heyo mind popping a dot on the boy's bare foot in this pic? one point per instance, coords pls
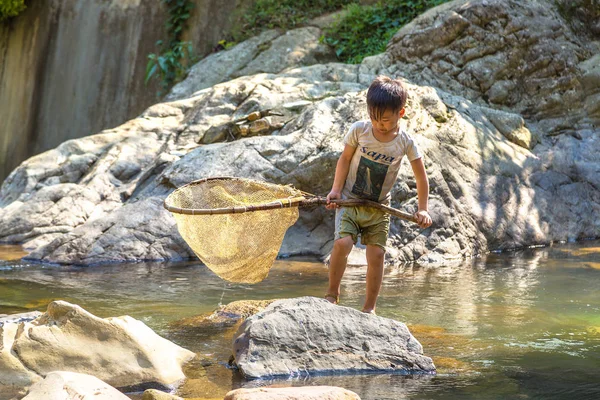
(371, 311)
(332, 298)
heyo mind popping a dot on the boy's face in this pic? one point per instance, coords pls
(388, 121)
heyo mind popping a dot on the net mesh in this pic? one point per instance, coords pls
(236, 247)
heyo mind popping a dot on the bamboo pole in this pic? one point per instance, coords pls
(292, 202)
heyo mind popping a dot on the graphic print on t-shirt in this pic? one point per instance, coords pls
(370, 176)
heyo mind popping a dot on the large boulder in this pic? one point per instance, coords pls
(469, 159)
(292, 338)
(61, 385)
(517, 55)
(121, 351)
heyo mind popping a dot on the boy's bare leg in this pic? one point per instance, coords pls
(375, 255)
(337, 264)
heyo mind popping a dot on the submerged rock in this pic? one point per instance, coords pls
(293, 393)
(120, 351)
(63, 385)
(225, 317)
(153, 394)
(307, 336)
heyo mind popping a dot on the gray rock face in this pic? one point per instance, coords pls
(521, 55)
(271, 51)
(307, 336)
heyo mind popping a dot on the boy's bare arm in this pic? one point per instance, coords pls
(341, 173)
(422, 215)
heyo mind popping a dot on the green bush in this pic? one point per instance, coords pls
(365, 30)
(172, 61)
(171, 64)
(284, 14)
(11, 8)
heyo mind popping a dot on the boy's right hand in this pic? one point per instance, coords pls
(332, 196)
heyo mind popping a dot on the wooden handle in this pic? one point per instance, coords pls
(361, 203)
(283, 203)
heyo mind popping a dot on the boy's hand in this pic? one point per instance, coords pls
(423, 219)
(332, 196)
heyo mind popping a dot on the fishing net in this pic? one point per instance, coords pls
(236, 225)
(236, 245)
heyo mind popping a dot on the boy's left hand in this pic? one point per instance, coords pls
(423, 219)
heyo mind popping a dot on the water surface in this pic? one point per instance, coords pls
(523, 325)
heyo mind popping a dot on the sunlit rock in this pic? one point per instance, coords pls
(519, 55)
(293, 393)
(308, 336)
(153, 394)
(271, 51)
(121, 351)
(61, 385)
(14, 376)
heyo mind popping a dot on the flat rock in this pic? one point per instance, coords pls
(61, 385)
(292, 338)
(153, 394)
(293, 393)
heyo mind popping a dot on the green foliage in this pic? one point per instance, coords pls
(168, 66)
(179, 13)
(284, 14)
(365, 30)
(171, 63)
(11, 8)
(225, 45)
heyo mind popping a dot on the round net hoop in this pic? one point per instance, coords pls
(238, 247)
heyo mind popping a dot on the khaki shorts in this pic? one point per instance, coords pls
(372, 225)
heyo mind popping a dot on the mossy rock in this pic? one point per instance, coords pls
(225, 317)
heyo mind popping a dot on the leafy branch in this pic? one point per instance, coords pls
(11, 8)
(171, 63)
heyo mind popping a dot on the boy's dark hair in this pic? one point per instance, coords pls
(384, 94)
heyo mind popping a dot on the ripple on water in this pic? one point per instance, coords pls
(511, 325)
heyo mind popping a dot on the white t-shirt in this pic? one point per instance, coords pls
(375, 165)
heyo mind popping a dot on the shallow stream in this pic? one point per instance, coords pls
(520, 325)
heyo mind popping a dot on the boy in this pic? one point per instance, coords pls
(367, 169)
